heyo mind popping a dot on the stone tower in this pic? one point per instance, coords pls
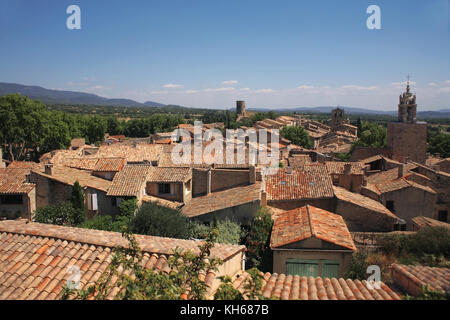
(240, 109)
(407, 106)
(337, 117)
(407, 138)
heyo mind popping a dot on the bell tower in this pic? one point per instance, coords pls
(407, 106)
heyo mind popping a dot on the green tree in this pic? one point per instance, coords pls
(62, 213)
(440, 143)
(77, 202)
(155, 220)
(259, 254)
(229, 231)
(371, 135)
(297, 135)
(95, 129)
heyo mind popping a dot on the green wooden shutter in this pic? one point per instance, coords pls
(330, 269)
(302, 267)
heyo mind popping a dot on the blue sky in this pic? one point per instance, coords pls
(211, 53)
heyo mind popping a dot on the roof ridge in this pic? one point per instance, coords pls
(313, 234)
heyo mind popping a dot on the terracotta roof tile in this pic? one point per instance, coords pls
(422, 222)
(161, 174)
(48, 252)
(13, 181)
(437, 278)
(109, 164)
(306, 222)
(311, 182)
(129, 181)
(289, 287)
(336, 167)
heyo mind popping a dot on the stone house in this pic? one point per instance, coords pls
(309, 241)
(348, 175)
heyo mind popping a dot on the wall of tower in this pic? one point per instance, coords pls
(407, 140)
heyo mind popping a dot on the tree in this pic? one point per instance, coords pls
(259, 254)
(62, 213)
(155, 220)
(229, 231)
(77, 202)
(440, 143)
(297, 135)
(371, 135)
(96, 129)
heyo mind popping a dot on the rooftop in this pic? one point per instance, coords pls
(422, 222)
(222, 200)
(109, 164)
(288, 287)
(307, 222)
(311, 182)
(14, 181)
(437, 278)
(129, 181)
(336, 167)
(34, 258)
(162, 174)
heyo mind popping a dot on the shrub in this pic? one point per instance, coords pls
(128, 207)
(259, 254)
(229, 231)
(62, 213)
(155, 220)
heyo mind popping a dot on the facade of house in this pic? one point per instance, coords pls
(311, 242)
(17, 195)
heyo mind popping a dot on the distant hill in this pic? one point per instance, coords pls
(69, 97)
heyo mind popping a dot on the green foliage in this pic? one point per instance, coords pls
(428, 294)
(259, 254)
(439, 143)
(62, 213)
(128, 207)
(371, 135)
(151, 219)
(251, 288)
(77, 197)
(229, 231)
(107, 223)
(344, 156)
(297, 135)
(358, 266)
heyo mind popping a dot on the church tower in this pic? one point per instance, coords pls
(407, 106)
(406, 137)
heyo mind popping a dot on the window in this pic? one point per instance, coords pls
(11, 199)
(164, 188)
(302, 267)
(390, 205)
(443, 215)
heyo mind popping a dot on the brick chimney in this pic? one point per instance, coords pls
(263, 199)
(289, 170)
(49, 169)
(401, 170)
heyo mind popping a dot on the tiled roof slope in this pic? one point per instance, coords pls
(288, 287)
(387, 175)
(362, 201)
(13, 181)
(222, 199)
(129, 181)
(23, 165)
(437, 278)
(310, 182)
(109, 164)
(160, 174)
(422, 222)
(70, 176)
(34, 258)
(336, 167)
(401, 183)
(308, 221)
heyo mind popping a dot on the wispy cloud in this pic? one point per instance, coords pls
(190, 91)
(223, 89)
(172, 86)
(244, 89)
(263, 91)
(230, 82)
(159, 92)
(356, 87)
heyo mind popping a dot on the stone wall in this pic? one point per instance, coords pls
(407, 140)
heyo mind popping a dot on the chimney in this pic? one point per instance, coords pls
(288, 170)
(364, 182)
(347, 168)
(208, 182)
(263, 199)
(401, 170)
(49, 169)
(2, 163)
(252, 175)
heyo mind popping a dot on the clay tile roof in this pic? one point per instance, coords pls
(298, 161)
(362, 201)
(79, 163)
(129, 181)
(222, 199)
(34, 258)
(422, 221)
(23, 165)
(336, 167)
(69, 176)
(13, 181)
(437, 278)
(294, 287)
(311, 182)
(387, 175)
(306, 222)
(109, 164)
(161, 174)
(401, 183)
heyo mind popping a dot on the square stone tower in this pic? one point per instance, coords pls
(407, 138)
